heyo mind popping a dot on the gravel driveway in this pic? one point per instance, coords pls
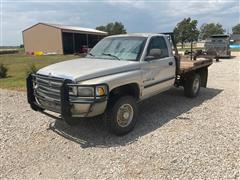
(175, 137)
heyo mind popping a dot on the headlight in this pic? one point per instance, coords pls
(72, 90)
(85, 91)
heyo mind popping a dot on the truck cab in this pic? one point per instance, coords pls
(118, 72)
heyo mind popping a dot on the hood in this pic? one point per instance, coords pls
(87, 68)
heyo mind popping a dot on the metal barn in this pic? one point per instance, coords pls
(59, 39)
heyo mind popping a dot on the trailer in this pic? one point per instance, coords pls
(218, 45)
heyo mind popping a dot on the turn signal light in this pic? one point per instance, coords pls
(101, 91)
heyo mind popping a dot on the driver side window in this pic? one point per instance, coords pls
(158, 43)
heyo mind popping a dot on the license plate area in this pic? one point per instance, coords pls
(50, 105)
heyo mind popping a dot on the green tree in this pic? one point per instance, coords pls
(113, 28)
(236, 29)
(210, 29)
(101, 28)
(186, 31)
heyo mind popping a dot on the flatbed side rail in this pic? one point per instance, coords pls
(192, 68)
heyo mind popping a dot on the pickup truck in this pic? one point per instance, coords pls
(119, 72)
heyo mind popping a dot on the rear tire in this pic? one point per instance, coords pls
(121, 115)
(192, 86)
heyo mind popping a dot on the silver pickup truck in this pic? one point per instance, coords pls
(118, 72)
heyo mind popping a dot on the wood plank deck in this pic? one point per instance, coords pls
(187, 65)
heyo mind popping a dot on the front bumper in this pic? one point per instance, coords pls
(69, 107)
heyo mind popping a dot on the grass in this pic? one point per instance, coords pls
(235, 50)
(18, 64)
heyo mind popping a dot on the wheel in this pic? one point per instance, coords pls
(121, 115)
(192, 86)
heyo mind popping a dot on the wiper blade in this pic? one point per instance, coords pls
(111, 55)
(91, 54)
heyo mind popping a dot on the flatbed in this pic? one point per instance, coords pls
(187, 65)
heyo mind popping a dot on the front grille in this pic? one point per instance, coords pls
(47, 91)
(48, 87)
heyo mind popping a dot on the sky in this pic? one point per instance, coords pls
(137, 16)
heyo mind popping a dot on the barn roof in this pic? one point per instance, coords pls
(72, 28)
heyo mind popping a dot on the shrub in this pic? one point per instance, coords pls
(3, 71)
(31, 69)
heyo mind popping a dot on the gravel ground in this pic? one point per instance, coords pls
(175, 137)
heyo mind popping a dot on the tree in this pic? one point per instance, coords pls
(113, 28)
(186, 31)
(236, 29)
(210, 29)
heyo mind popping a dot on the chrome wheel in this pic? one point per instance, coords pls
(125, 115)
(196, 84)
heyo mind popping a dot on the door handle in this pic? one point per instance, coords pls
(170, 63)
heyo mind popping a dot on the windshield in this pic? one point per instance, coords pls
(119, 48)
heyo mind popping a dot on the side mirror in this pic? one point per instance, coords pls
(153, 54)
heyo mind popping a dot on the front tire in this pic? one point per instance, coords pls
(192, 86)
(121, 115)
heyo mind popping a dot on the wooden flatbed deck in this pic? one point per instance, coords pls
(187, 65)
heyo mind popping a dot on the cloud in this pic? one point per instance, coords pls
(137, 16)
(166, 14)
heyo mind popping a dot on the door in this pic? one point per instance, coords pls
(68, 43)
(159, 72)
